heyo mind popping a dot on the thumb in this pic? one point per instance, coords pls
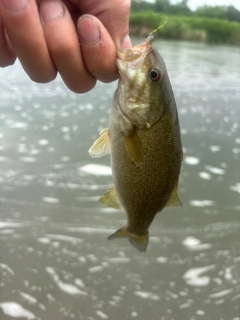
(114, 15)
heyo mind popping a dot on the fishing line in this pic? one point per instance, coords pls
(161, 16)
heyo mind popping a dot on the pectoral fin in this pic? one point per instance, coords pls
(110, 199)
(133, 147)
(101, 146)
(140, 242)
(174, 200)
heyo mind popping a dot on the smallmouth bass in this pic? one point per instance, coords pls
(144, 141)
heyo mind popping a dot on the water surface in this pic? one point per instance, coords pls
(55, 261)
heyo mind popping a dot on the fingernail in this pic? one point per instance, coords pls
(51, 10)
(126, 43)
(15, 5)
(88, 30)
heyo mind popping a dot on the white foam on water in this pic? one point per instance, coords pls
(95, 269)
(215, 149)
(200, 312)
(237, 140)
(43, 142)
(5, 267)
(215, 170)
(236, 150)
(101, 314)
(79, 283)
(220, 294)
(65, 159)
(96, 169)
(28, 159)
(10, 225)
(17, 125)
(236, 187)
(90, 230)
(202, 203)
(65, 129)
(162, 259)
(147, 295)
(119, 260)
(65, 287)
(228, 274)
(15, 310)
(184, 131)
(134, 314)
(44, 240)
(29, 298)
(50, 200)
(205, 175)
(193, 276)
(185, 305)
(195, 244)
(192, 161)
(60, 237)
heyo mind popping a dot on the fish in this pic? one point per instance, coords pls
(144, 141)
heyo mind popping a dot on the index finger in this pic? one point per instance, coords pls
(26, 35)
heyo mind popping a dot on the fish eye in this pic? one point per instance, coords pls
(154, 74)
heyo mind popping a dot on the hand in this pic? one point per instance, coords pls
(45, 34)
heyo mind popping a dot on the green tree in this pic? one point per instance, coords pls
(162, 5)
(216, 12)
(140, 5)
(232, 14)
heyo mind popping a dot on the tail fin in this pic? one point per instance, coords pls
(139, 242)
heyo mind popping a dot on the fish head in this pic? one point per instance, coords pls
(142, 72)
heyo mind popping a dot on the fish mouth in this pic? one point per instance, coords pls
(133, 57)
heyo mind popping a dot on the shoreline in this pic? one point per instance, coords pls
(213, 31)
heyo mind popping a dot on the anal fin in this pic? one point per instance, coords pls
(110, 199)
(174, 200)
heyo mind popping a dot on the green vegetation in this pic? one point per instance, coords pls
(207, 24)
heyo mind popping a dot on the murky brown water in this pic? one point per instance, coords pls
(55, 261)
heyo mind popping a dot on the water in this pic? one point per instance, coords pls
(55, 261)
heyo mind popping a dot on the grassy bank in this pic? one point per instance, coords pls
(186, 28)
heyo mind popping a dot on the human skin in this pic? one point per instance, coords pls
(77, 38)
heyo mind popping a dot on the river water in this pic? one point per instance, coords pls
(55, 260)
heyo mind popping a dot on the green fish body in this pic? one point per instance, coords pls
(144, 141)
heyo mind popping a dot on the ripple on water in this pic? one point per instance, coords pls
(15, 310)
(236, 187)
(193, 276)
(67, 288)
(215, 170)
(205, 175)
(147, 295)
(50, 200)
(215, 149)
(195, 244)
(96, 169)
(202, 203)
(192, 161)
